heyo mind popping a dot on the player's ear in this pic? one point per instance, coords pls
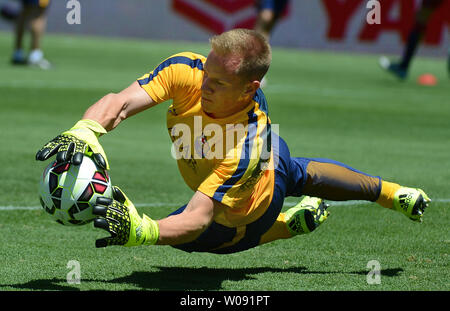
(252, 87)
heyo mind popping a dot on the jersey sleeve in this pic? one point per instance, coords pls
(175, 77)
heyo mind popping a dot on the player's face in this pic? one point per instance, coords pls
(223, 92)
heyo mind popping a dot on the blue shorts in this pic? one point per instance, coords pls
(290, 176)
(277, 6)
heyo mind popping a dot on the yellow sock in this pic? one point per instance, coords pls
(277, 231)
(388, 190)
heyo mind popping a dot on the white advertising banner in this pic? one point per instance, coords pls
(343, 25)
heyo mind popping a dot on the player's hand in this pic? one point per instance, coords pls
(72, 145)
(120, 218)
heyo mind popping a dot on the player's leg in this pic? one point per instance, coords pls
(19, 56)
(448, 62)
(33, 15)
(265, 22)
(416, 34)
(335, 181)
(303, 218)
(265, 19)
(308, 214)
(269, 12)
(38, 22)
(400, 69)
(332, 180)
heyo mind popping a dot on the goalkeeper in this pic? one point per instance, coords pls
(238, 196)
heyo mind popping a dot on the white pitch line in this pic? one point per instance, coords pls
(19, 208)
(172, 205)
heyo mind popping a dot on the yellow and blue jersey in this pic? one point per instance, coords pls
(231, 166)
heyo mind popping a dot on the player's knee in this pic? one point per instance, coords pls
(266, 20)
(267, 16)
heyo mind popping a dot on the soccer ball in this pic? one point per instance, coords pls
(68, 192)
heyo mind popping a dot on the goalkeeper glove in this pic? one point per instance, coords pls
(120, 218)
(72, 145)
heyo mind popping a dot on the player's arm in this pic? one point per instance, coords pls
(113, 108)
(100, 118)
(120, 218)
(188, 225)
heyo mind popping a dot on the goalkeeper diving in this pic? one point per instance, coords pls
(237, 198)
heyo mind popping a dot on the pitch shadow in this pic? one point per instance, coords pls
(183, 278)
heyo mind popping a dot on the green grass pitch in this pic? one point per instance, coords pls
(331, 105)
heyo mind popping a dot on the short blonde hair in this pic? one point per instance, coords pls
(250, 45)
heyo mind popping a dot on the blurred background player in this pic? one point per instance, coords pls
(400, 69)
(269, 13)
(33, 14)
(448, 62)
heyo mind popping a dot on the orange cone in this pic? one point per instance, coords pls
(427, 79)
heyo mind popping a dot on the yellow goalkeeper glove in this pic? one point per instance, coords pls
(120, 218)
(72, 145)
